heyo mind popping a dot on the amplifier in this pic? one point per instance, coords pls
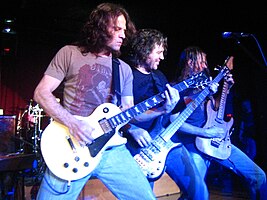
(7, 134)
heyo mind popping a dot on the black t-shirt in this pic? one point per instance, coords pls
(197, 118)
(146, 86)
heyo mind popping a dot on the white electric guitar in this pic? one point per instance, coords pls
(218, 147)
(68, 160)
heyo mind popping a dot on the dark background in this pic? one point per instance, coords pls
(43, 26)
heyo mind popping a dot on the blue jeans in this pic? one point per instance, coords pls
(239, 163)
(181, 168)
(117, 170)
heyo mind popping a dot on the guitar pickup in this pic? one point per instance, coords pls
(215, 143)
(71, 144)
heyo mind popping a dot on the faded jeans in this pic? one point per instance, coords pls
(183, 171)
(117, 170)
(239, 163)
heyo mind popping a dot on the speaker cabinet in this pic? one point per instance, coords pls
(7, 134)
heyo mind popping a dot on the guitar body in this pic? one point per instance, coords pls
(71, 161)
(152, 159)
(216, 147)
(154, 166)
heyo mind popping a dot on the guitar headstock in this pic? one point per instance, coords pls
(227, 66)
(223, 69)
(198, 80)
(229, 62)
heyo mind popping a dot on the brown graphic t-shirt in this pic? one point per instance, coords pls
(87, 79)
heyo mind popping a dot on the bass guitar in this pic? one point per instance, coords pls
(68, 160)
(152, 158)
(218, 147)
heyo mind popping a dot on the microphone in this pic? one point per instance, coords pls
(227, 35)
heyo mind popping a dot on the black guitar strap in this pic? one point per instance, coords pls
(116, 79)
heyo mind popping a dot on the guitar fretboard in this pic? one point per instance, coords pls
(195, 81)
(220, 114)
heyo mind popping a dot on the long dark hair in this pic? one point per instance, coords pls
(184, 71)
(95, 34)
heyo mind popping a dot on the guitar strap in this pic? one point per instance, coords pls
(116, 79)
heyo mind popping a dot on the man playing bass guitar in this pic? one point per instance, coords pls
(147, 49)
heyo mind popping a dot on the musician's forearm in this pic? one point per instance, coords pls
(53, 108)
(192, 130)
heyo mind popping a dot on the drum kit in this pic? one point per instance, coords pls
(31, 122)
(30, 125)
(23, 158)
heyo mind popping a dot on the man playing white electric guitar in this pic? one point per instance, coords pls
(75, 148)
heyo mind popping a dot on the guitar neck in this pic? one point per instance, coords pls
(221, 110)
(177, 123)
(127, 115)
(197, 80)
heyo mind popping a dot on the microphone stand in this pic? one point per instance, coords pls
(250, 54)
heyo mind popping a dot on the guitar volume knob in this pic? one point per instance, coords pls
(86, 164)
(66, 165)
(77, 158)
(75, 170)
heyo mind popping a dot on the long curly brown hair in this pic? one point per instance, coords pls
(95, 34)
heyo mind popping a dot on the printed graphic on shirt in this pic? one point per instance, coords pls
(92, 89)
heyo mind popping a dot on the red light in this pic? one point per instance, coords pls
(229, 115)
(7, 50)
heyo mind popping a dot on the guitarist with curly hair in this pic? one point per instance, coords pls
(147, 48)
(83, 140)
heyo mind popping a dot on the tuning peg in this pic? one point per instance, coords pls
(217, 68)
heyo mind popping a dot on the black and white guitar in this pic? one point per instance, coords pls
(68, 160)
(152, 158)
